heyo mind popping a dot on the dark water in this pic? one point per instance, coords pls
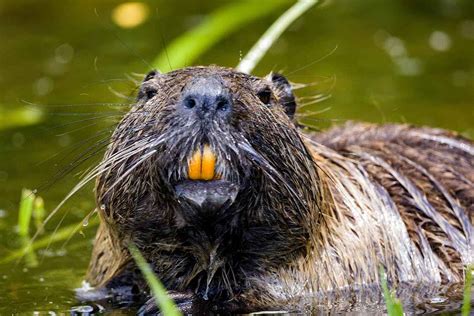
(402, 61)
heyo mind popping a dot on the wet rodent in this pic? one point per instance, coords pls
(285, 214)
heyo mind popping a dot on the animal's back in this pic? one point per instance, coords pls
(428, 175)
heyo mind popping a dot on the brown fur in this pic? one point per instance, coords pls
(319, 212)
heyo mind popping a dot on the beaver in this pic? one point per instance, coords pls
(238, 208)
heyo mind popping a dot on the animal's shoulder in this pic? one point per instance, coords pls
(428, 174)
(437, 153)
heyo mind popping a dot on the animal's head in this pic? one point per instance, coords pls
(212, 158)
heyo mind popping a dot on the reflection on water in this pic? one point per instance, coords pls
(65, 78)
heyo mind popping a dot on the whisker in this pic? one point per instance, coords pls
(84, 113)
(54, 233)
(317, 99)
(118, 114)
(111, 104)
(78, 129)
(312, 97)
(137, 82)
(81, 224)
(320, 120)
(121, 95)
(104, 81)
(90, 153)
(298, 86)
(270, 170)
(313, 62)
(77, 145)
(310, 113)
(77, 122)
(98, 170)
(140, 161)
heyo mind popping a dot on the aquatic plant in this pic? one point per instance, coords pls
(59, 235)
(25, 212)
(260, 48)
(10, 118)
(395, 307)
(185, 49)
(466, 305)
(31, 207)
(393, 304)
(166, 304)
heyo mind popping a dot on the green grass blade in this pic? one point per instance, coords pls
(10, 118)
(394, 306)
(256, 53)
(166, 304)
(39, 213)
(25, 211)
(60, 235)
(225, 20)
(466, 305)
(30, 258)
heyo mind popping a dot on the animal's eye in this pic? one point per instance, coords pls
(150, 93)
(265, 96)
(146, 93)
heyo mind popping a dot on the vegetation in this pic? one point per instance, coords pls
(32, 208)
(188, 47)
(260, 48)
(393, 304)
(466, 306)
(29, 204)
(395, 307)
(25, 212)
(166, 304)
(19, 117)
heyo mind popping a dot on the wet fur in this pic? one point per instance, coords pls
(320, 212)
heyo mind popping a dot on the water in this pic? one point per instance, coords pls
(402, 61)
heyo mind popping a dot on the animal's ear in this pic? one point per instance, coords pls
(148, 91)
(152, 74)
(283, 90)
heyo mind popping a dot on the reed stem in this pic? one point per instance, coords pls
(259, 49)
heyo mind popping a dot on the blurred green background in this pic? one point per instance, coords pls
(63, 62)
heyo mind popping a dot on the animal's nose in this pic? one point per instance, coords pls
(207, 98)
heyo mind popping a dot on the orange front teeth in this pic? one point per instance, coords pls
(194, 166)
(202, 164)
